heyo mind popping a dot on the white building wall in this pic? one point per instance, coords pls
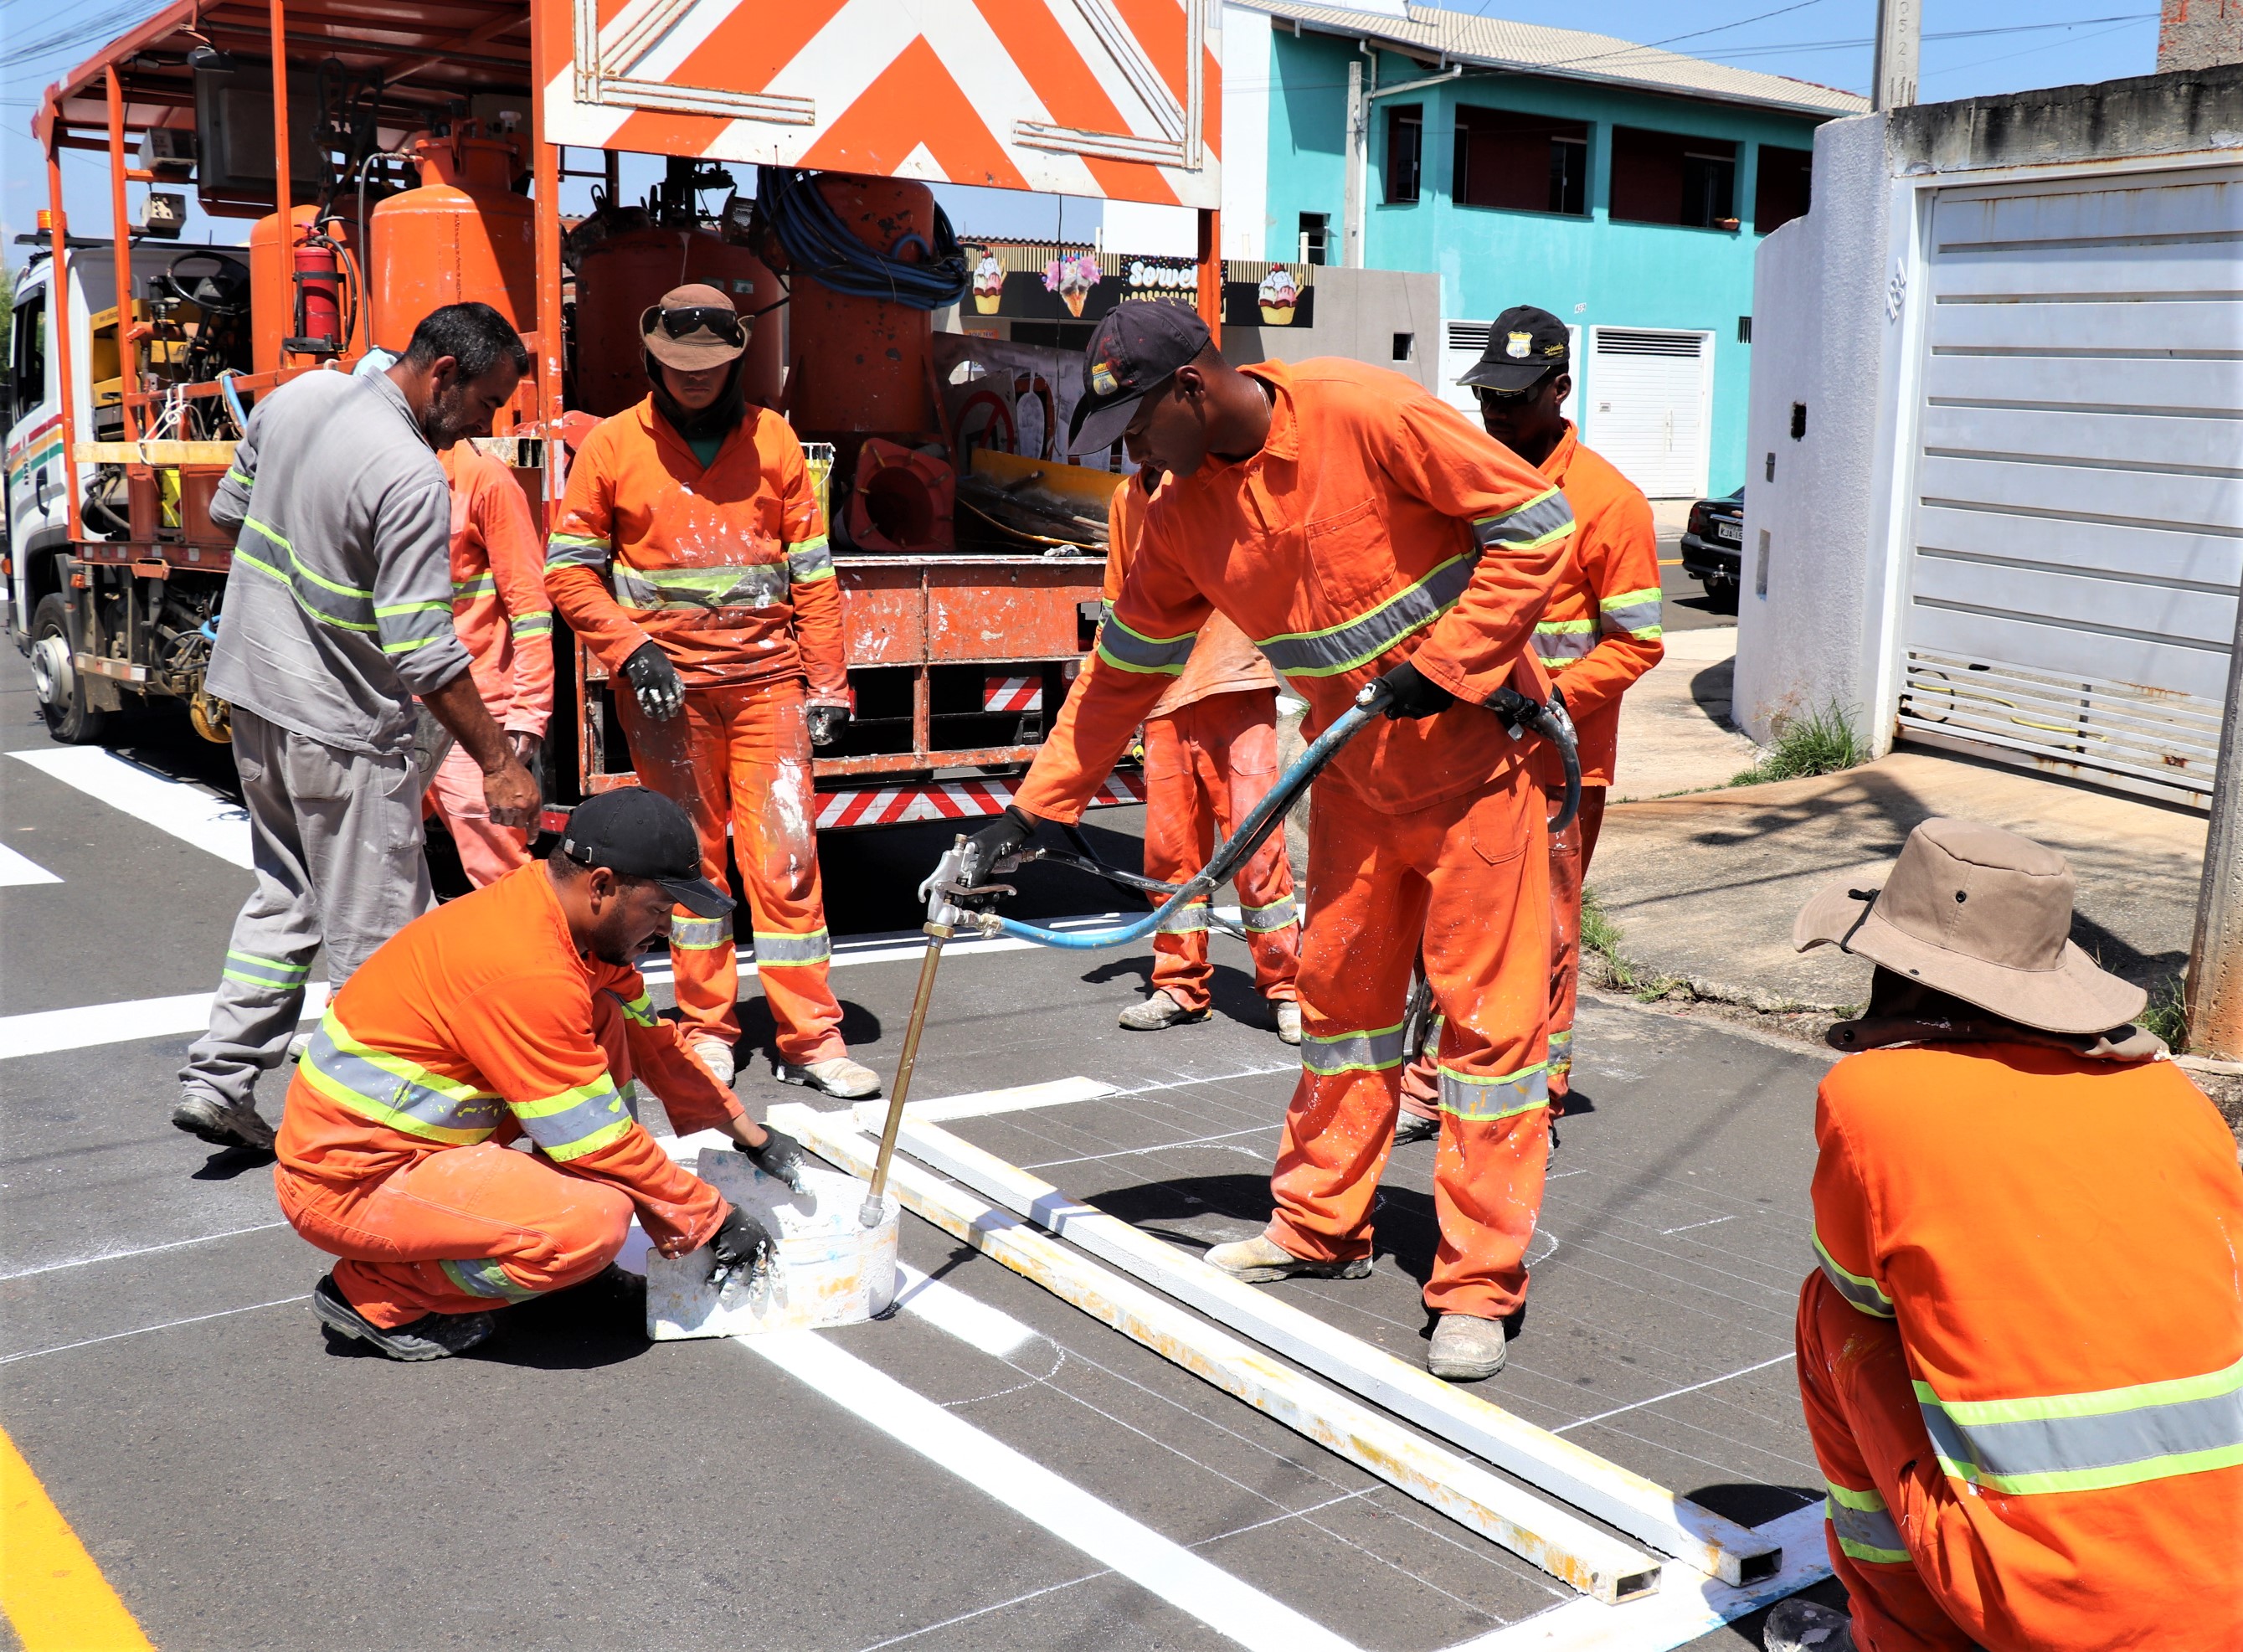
(1249, 68)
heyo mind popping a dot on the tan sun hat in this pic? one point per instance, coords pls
(695, 327)
(1981, 913)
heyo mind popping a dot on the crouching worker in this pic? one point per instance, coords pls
(2022, 1358)
(512, 1012)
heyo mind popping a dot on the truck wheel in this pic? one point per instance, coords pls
(54, 675)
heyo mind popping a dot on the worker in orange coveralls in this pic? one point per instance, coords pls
(690, 555)
(1357, 528)
(1600, 633)
(2022, 1357)
(499, 610)
(1210, 755)
(512, 1012)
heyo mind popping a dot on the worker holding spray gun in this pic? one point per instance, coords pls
(1362, 534)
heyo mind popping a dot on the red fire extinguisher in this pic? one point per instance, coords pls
(318, 299)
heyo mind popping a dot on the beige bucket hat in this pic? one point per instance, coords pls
(694, 327)
(1981, 913)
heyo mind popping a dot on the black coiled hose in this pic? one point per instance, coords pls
(820, 245)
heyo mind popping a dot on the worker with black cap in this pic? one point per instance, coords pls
(1601, 631)
(690, 555)
(1358, 529)
(514, 1012)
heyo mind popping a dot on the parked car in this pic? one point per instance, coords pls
(1713, 548)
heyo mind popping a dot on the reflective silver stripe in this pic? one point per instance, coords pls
(641, 1008)
(531, 625)
(1863, 1293)
(807, 563)
(1638, 619)
(395, 1092)
(1484, 1098)
(1544, 517)
(1280, 913)
(468, 590)
(574, 550)
(345, 607)
(576, 1122)
(275, 974)
(1561, 1051)
(2090, 1441)
(1340, 648)
(703, 590)
(774, 950)
(1192, 920)
(699, 934)
(406, 626)
(482, 1279)
(1369, 1052)
(1864, 1527)
(1129, 650)
(1562, 644)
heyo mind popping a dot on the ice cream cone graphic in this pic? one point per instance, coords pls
(989, 283)
(1072, 278)
(1074, 299)
(1278, 296)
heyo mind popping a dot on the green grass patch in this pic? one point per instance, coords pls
(1820, 743)
(2166, 1014)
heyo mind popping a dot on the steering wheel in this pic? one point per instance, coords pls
(212, 282)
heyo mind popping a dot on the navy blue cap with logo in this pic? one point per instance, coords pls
(1135, 350)
(1524, 344)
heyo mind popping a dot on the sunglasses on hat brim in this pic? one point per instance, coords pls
(1489, 396)
(685, 323)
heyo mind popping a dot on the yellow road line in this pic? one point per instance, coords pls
(55, 1597)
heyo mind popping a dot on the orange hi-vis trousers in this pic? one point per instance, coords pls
(741, 755)
(1207, 765)
(1569, 869)
(471, 1228)
(1469, 877)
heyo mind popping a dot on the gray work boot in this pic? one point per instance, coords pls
(201, 1114)
(1158, 1011)
(836, 1075)
(1414, 1127)
(1260, 1259)
(716, 1054)
(433, 1336)
(1288, 1021)
(1466, 1347)
(1802, 1626)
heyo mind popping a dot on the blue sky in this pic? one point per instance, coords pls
(1971, 47)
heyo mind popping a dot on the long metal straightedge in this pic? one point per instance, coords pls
(1559, 1542)
(1643, 1508)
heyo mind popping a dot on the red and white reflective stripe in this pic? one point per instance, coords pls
(949, 801)
(1013, 694)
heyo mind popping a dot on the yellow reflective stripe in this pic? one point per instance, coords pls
(440, 606)
(335, 1090)
(398, 1065)
(321, 580)
(247, 560)
(1555, 627)
(1630, 598)
(1865, 1293)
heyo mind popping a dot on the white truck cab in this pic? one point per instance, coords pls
(31, 409)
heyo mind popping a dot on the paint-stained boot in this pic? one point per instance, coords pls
(1261, 1259)
(203, 1115)
(1803, 1626)
(717, 1055)
(838, 1076)
(1414, 1127)
(1288, 1021)
(433, 1336)
(1466, 1348)
(1157, 1012)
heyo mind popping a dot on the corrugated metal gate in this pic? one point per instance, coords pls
(1650, 407)
(2078, 528)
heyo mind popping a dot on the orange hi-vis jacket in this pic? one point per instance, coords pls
(1601, 630)
(1375, 525)
(474, 1023)
(727, 568)
(1222, 661)
(2056, 1241)
(499, 605)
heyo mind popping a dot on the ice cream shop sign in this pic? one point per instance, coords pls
(1038, 281)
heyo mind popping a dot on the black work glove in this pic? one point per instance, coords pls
(826, 723)
(1411, 693)
(994, 843)
(742, 1245)
(661, 692)
(780, 1158)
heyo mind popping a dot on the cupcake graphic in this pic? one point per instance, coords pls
(988, 283)
(1072, 278)
(1278, 296)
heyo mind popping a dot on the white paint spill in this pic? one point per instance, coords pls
(186, 812)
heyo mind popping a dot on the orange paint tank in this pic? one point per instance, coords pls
(863, 366)
(463, 235)
(274, 312)
(619, 277)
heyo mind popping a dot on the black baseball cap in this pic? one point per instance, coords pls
(1524, 344)
(642, 834)
(1138, 345)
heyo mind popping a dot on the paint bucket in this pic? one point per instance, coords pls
(832, 1271)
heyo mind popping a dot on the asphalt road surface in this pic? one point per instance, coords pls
(988, 1467)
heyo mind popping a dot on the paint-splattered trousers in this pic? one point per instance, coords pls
(1570, 851)
(741, 757)
(1207, 765)
(466, 1229)
(334, 838)
(488, 853)
(1469, 877)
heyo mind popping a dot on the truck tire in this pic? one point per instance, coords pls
(54, 675)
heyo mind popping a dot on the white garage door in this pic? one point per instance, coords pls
(1650, 407)
(2077, 530)
(1463, 343)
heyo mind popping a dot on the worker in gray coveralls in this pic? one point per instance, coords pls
(338, 612)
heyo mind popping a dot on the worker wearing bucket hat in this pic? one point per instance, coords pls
(2022, 1354)
(690, 555)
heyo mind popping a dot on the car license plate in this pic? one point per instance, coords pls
(1732, 531)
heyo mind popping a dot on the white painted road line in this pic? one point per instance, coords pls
(1226, 1604)
(142, 1331)
(17, 870)
(186, 812)
(43, 1032)
(144, 1251)
(981, 1104)
(968, 1318)
(1675, 1393)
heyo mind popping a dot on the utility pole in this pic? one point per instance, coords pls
(1359, 129)
(1900, 27)
(2215, 959)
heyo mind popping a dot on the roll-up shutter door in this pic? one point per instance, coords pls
(1651, 406)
